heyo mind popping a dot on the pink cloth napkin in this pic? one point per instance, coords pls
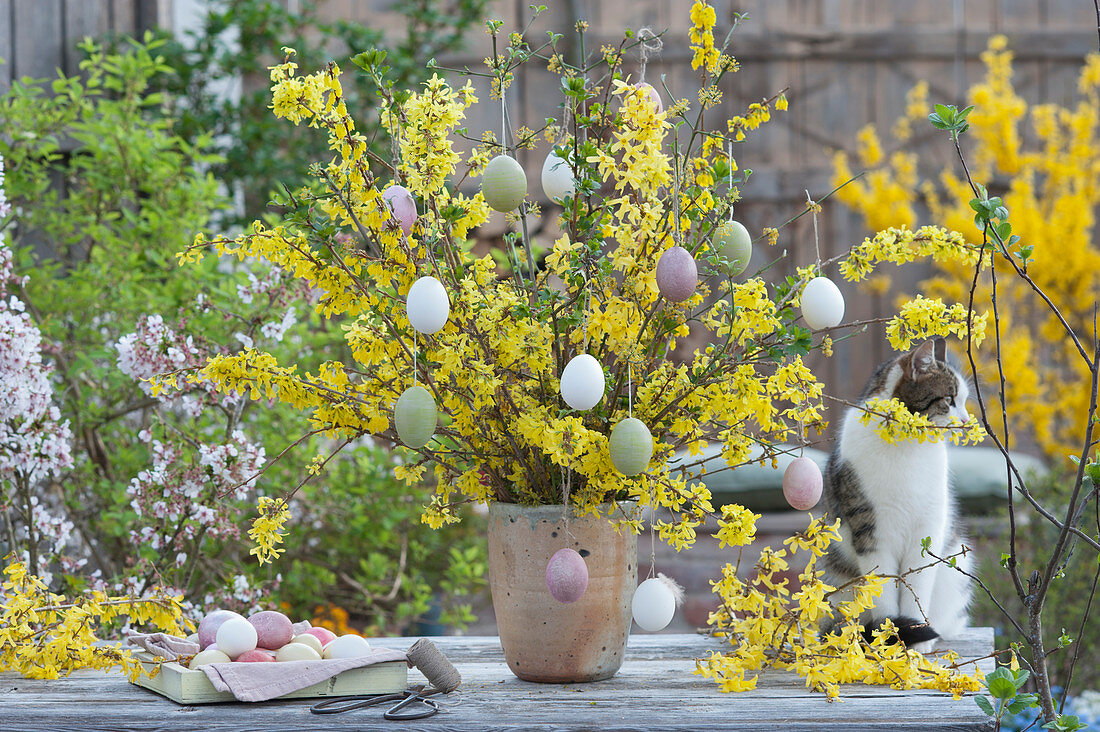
(163, 645)
(254, 682)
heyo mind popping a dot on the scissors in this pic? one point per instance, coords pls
(415, 695)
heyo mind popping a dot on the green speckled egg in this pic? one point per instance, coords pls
(631, 446)
(732, 241)
(415, 416)
(504, 184)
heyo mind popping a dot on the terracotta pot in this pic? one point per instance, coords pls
(546, 640)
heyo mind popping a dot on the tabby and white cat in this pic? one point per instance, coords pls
(889, 497)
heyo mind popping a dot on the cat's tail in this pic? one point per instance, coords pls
(908, 630)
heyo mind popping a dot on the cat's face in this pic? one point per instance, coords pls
(923, 381)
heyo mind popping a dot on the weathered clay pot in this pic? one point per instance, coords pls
(546, 640)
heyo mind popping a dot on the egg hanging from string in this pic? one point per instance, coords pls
(822, 303)
(504, 184)
(557, 178)
(427, 305)
(677, 274)
(732, 241)
(655, 602)
(653, 95)
(402, 205)
(566, 575)
(582, 382)
(415, 416)
(802, 484)
(631, 446)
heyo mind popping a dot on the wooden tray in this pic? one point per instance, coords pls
(187, 686)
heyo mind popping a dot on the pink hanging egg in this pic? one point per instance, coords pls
(677, 274)
(653, 95)
(402, 205)
(802, 484)
(566, 575)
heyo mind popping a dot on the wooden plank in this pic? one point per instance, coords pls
(82, 18)
(655, 690)
(37, 46)
(6, 42)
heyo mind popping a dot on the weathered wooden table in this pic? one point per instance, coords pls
(654, 691)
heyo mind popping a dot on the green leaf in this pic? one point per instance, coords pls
(1022, 675)
(984, 704)
(1002, 688)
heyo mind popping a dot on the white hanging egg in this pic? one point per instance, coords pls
(402, 205)
(655, 602)
(557, 178)
(802, 484)
(677, 274)
(732, 241)
(582, 383)
(235, 636)
(566, 575)
(822, 304)
(427, 305)
(631, 446)
(504, 184)
(653, 95)
(415, 416)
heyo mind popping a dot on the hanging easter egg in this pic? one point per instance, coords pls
(802, 484)
(415, 416)
(402, 205)
(677, 275)
(655, 602)
(427, 305)
(631, 446)
(235, 636)
(557, 178)
(732, 241)
(653, 95)
(566, 575)
(582, 382)
(822, 304)
(504, 184)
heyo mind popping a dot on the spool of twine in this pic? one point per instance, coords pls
(431, 662)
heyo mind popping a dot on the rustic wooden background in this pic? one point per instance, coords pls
(845, 62)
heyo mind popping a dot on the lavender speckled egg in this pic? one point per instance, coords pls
(653, 94)
(631, 446)
(802, 484)
(566, 575)
(677, 275)
(402, 205)
(504, 184)
(208, 626)
(273, 629)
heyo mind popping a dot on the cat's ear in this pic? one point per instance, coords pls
(920, 360)
(940, 348)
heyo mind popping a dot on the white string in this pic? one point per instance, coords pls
(649, 43)
(817, 246)
(676, 194)
(652, 541)
(629, 389)
(730, 156)
(414, 356)
(587, 306)
(503, 122)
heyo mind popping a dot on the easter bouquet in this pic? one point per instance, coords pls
(553, 377)
(550, 378)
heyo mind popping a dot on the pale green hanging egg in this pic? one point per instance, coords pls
(631, 446)
(415, 416)
(732, 241)
(504, 184)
